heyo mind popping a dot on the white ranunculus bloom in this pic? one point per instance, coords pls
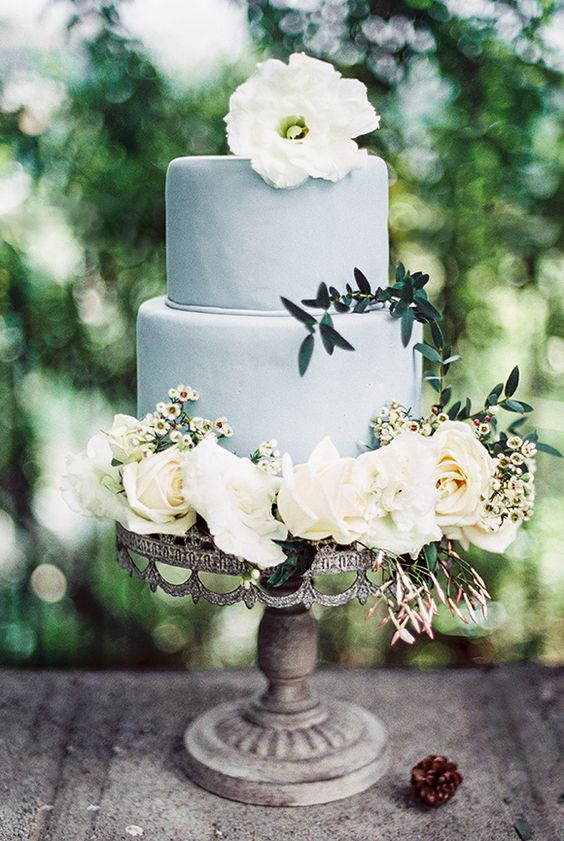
(154, 488)
(318, 499)
(496, 541)
(297, 120)
(396, 484)
(124, 438)
(91, 486)
(464, 469)
(235, 499)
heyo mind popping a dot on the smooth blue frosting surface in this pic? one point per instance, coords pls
(245, 367)
(234, 242)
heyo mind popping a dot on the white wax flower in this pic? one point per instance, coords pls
(154, 488)
(464, 470)
(235, 499)
(397, 486)
(297, 120)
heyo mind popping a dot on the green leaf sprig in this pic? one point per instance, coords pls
(501, 396)
(406, 298)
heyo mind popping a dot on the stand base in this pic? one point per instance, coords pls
(326, 753)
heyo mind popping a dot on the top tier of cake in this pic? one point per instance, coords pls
(235, 243)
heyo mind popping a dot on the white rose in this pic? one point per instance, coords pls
(297, 120)
(235, 499)
(396, 484)
(463, 473)
(318, 499)
(154, 488)
(124, 438)
(91, 486)
(491, 540)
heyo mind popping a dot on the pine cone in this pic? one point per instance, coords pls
(435, 780)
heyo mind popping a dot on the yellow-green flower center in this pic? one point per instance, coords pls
(293, 128)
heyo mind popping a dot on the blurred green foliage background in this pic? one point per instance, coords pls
(473, 108)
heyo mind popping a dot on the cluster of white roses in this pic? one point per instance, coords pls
(483, 498)
(398, 498)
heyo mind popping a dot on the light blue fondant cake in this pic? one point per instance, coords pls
(234, 246)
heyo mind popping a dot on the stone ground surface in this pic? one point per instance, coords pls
(83, 755)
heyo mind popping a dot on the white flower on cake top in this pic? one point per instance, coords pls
(298, 120)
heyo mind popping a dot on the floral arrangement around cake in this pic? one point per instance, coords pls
(421, 488)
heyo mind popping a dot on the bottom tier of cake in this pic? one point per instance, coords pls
(245, 367)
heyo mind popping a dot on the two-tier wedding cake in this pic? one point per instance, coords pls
(234, 246)
(283, 247)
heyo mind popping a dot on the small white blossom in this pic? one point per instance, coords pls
(172, 411)
(161, 427)
(514, 442)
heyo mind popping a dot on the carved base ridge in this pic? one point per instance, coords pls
(288, 763)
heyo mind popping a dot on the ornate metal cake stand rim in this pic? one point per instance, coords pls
(196, 553)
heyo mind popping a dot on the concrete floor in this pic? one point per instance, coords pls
(98, 755)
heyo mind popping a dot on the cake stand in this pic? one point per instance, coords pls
(284, 747)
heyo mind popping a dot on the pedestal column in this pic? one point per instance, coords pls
(285, 747)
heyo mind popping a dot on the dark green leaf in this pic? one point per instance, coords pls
(546, 448)
(116, 462)
(494, 394)
(512, 382)
(466, 411)
(406, 326)
(361, 305)
(305, 352)
(426, 308)
(427, 351)
(445, 395)
(327, 339)
(516, 406)
(514, 426)
(454, 409)
(323, 299)
(398, 309)
(407, 293)
(434, 382)
(400, 272)
(523, 829)
(283, 571)
(419, 280)
(336, 338)
(310, 302)
(299, 313)
(437, 334)
(334, 292)
(362, 281)
(340, 306)
(431, 555)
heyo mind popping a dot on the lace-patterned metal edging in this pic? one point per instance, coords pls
(196, 553)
